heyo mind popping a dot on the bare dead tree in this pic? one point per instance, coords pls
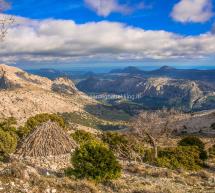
(155, 125)
(129, 152)
(5, 20)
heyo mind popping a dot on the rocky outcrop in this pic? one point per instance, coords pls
(24, 95)
(64, 85)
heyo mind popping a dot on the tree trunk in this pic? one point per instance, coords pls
(154, 144)
(155, 151)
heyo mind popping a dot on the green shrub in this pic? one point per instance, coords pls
(203, 155)
(23, 131)
(195, 141)
(94, 161)
(8, 137)
(125, 146)
(35, 121)
(192, 141)
(8, 143)
(212, 151)
(9, 124)
(82, 137)
(180, 157)
(114, 139)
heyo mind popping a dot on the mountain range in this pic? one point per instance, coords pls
(171, 72)
(166, 87)
(189, 90)
(24, 95)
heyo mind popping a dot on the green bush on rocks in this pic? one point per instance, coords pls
(8, 143)
(195, 141)
(94, 161)
(179, 158)
(81, 137)
(35, 121)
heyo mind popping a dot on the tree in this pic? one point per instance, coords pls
(126, 147)
(155, 125)
(5, 20)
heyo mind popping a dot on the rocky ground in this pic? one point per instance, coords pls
(17, 177)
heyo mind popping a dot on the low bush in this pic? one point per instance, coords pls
(8, 143)
(8, 125)
(195, 141)
(8, 137)
(94, 161)
(83, 137)
(35, 121)
(179, 158)
(114, 139)
(191, 141)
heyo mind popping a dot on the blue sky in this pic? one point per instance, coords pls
(174, 25)
(154, 16)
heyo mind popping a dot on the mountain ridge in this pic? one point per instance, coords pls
(24, 95)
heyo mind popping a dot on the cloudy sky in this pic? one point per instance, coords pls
(73, 32)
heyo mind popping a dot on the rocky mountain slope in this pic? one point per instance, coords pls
(155, 92)
(24, 95)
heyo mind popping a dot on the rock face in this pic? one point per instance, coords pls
(24, 95)
(63, 85)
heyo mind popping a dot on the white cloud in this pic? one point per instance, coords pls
(65, 41)
(197, 11)
(106, 7)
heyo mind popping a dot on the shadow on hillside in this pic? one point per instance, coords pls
(107, 112)
(111, 127)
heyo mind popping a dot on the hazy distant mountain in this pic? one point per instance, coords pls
(129, 70)
(190, 74)
(49, 73)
